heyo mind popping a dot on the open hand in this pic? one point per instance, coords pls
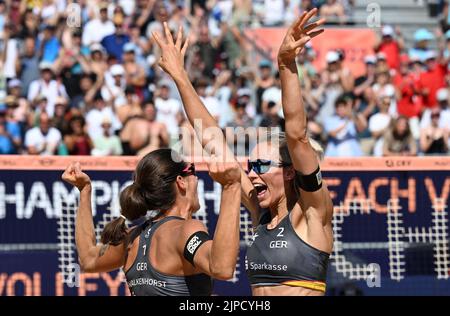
(297, 36)
(172, 52)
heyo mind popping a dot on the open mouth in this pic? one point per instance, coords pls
(260, 189)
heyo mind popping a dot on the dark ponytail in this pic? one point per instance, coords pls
(153, 189)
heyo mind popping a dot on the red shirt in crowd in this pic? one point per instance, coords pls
(432, 80)
(392, 51)
(410, 103)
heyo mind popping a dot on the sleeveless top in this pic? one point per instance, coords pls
(280, 257)
(144, 280)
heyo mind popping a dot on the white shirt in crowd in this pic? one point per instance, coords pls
(94, 119)
(274, 12)
(377, 123)
(273, 94)
(35, 138)
(167, 111)
(212, 105)
(95, 30)
(9, 68)
(346, 143)
(444, 119)
(51, 91)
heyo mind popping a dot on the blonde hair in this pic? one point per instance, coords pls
(285, 156)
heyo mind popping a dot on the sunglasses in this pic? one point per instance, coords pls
(261, 166)
(189, 170)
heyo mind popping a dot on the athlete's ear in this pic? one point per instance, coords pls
(181, 184)
(288, 173)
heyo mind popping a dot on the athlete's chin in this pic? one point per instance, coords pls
(264, 203)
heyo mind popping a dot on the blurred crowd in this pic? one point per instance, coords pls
(81, 78)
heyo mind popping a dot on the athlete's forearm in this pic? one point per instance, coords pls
(84, 227)
(292, 101)
(302, 153)
(195, 109)
(225, 246)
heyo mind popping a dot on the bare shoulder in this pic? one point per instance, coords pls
(191, 226)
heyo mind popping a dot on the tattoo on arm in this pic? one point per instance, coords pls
(103, 250)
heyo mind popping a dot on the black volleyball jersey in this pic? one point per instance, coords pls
(280, 257)
(144, 280)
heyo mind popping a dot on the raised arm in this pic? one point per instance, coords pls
(172, 62)
(93, 257)
(303, 155)
(218, 257)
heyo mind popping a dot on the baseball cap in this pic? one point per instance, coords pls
(96, 47)
(13, 83)
(243, 92)
(129, 47)
(423, 35)
(370, 59)
(43, 65)
(387, 30)
(164, 83)
(442, 94)
(265, 63)
(381, 56)
(332, 57)
(117, 70)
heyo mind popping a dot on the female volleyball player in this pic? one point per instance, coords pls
(289, 255)
(171, 253)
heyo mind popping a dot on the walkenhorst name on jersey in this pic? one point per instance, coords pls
(147, 281)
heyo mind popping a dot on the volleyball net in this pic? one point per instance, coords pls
(390, 225)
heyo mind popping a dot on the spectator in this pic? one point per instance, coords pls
(408, 89)
(134, 73)
(334, 11)
(97, 29)
(238, 139)
(42, 139)
(398, 140)
(28, 63)
(96, 115)
(12, 125)
(379, 123)
(342, 129)
(442, 97)
(271, 99)
(6, 139)
(274, 11)
(49, 45)
(210, 102)
(114, 43)
(433, 138)
(264, 81)
(46, 86)
(23, 106)
(77, 141)
(390, 46)
(167, 109)
(107, 144)
(420, 51)
(337, 80)
(432, 79)
(132, 106)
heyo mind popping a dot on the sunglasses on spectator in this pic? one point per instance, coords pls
(435, 115)
(189, 170)
(261, 166)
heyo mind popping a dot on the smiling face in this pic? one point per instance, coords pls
(270, 186)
